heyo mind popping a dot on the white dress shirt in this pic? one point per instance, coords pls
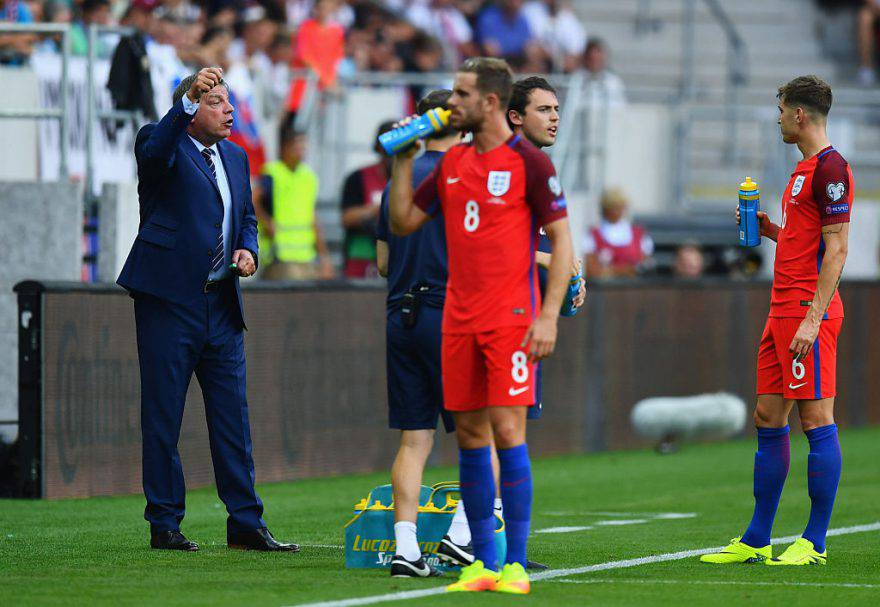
(225, 194)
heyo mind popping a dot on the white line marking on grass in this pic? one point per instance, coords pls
(656, 515)
(336, 546)
(562, 529)
(717, 583)
(620, 523)
(558, 573)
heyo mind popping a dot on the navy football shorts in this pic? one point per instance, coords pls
(534, 412)
(415, 387)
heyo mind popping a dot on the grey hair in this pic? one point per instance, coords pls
(185, 85)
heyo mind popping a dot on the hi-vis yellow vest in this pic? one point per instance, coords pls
(293, 208)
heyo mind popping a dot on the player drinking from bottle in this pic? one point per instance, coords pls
(493, 193)
(798, 351)
(532, 112)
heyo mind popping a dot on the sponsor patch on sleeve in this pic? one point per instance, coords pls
(558, 204)
(837, 209)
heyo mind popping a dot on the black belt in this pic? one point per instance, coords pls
(214, 285)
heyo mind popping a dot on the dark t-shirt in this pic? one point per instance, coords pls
(420, 258)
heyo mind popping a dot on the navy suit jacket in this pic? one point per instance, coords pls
(181, 212)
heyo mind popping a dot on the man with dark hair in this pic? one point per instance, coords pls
(532, 112)
(492, 193)
(361, 197)
(798, 351)
(415, 266)
(537, 94)
(290, 236)
(197, 236)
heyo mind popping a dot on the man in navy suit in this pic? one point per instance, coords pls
(197, 236)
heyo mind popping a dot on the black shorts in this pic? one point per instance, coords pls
(415, 387)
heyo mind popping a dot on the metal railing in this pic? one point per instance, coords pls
(93, 113)
(737, 77)
(59, 114)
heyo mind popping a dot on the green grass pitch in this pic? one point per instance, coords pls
(95, 551)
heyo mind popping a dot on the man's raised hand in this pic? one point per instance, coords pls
(206, 79)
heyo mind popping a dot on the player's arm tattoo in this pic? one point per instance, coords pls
(832, 267)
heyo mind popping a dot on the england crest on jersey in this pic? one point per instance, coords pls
(798, 185)
(498, 182)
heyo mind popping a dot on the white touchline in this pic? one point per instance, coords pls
(654, 515)
(338, 547)
(718, 583)
(556, 573)
(562, 529)
(617, 523)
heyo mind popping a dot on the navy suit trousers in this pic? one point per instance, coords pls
(204, 336)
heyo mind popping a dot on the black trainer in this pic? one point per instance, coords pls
(400, 567)
(455, 554)
(535, 566)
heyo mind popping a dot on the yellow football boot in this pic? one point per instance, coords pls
(736, 552)
(801, 552)
(475, 578)
(513, 580)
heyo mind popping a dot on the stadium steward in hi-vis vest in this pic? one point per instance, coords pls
(293, 195)
(797, 357)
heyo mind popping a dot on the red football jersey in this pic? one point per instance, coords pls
(493, 204)
(819, 193)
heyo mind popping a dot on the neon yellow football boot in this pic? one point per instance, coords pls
(737, 552)
(802, 552)
(475, 578)
(513, 580)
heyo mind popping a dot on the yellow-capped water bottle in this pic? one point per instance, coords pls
(749, 205)
(432, 121)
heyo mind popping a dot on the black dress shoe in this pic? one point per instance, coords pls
(257, 539)
(172, 540)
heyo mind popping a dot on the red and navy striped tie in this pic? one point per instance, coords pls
(217, 263)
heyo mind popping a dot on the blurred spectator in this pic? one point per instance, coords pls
(258, 29)
(442, 20)
(503, 31)
(424, 55)
(610, 89)
(278, 78)
(616, 248)
(689, 261)
(129, 82)
(867, 34)
(247, 75)
(54, 11)
(94, 12)
(166, 68)
(319, 45)
(361, 199)
(290, 237)
(558, 29)
(214, 47)
(297, 11)
(182, 11)
(16, 48)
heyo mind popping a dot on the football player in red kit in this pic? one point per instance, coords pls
(494, 194)
(797, 357)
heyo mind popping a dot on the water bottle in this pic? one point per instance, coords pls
(432, 121)
(749, 205)
(574, 286)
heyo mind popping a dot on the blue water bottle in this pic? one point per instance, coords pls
(749, 205)
(574, 286)
(432, 121)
